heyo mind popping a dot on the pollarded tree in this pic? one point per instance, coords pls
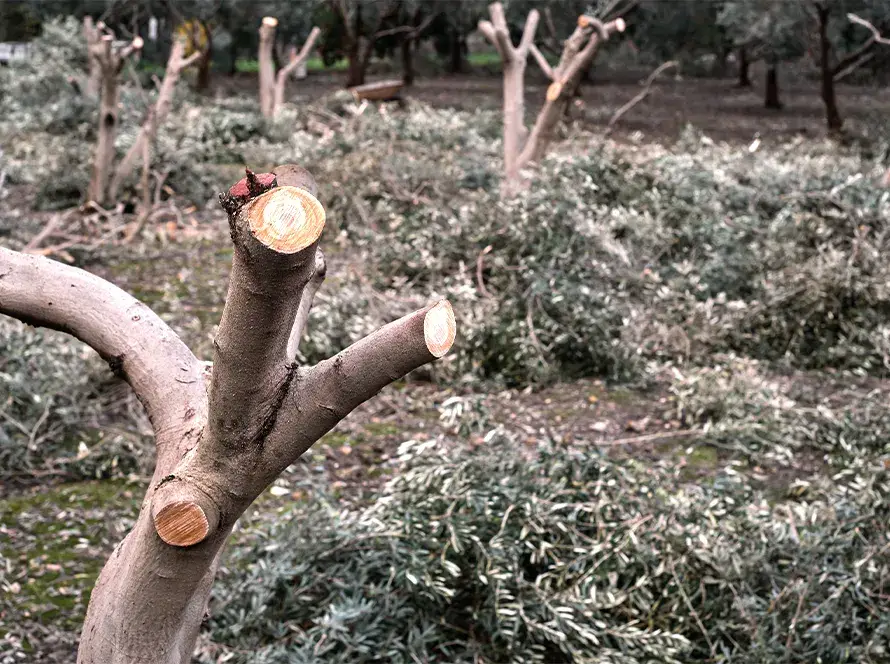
(272, 83)
(522, 147)
(223, 435)
(105, 62)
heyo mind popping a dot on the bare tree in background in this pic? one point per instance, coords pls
(105, 63)
(223, 436)
(272, 85)
(579, 51)
(176, 64)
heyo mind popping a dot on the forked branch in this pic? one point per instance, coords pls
(216, 452)
(579, 50)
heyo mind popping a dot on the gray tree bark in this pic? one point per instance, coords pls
(105, 66)
(579, 51)
(220, 440)
(176, 64)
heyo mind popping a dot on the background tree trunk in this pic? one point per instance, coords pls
(829, 96)
(771, 93)
(267, 65)
(407, 47)
(202, 82)
(355, 72)
(295, 61)
(744, 68)
(107, 132)
(456, 60)
(176, 64)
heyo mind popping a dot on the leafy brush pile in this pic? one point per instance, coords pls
(495, 554)
(603, 262)
(57, 405)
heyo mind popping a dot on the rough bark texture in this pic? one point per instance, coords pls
(267, 65)
(579, 51)
(295, 60)
(108, 61)
(176, 64)
(218, 448)
(771, 93)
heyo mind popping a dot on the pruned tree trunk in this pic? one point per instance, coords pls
(513, 59)
(223, 438)
(744, 68)
(267, 65)
(176, 64)
(771, 93)
(578, 53)
(93, 37)
(109, 62)
(295, 60)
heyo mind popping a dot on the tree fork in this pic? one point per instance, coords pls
(218, 447)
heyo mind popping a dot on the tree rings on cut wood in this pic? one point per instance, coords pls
(182, 523)
(554, 90)
(286, 219)
(439, 328)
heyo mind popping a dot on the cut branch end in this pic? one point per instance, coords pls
(439, 328)
(287, 219)
(270, 21)
(182, 523)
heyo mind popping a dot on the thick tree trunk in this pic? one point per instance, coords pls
(407, 48)
(829, 97)
(218, 445)
(233, 55)
(771, 92)
(744, 68)
(267, 65)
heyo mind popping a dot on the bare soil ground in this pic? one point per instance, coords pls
(715, 106)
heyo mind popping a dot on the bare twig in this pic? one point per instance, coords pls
(480, 282)
(876, 34)
(647, 87)
(542, 61)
